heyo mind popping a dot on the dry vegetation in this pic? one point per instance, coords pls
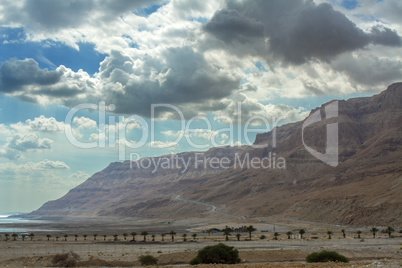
(266, 253)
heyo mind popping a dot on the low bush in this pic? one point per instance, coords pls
(147, 260)
(220, 254)
(65, 260)
(326, 256)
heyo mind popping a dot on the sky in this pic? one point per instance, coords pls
(87, 83)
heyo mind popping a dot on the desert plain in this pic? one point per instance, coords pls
(260, 251)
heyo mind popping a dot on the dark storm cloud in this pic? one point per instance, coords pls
(24, 79)
(230, 25)
(385, 36)
(60, 91)
(15, 74)
(180, 77)
(293, 31)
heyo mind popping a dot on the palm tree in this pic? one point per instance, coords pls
(238, 237)
(226, 233)
(31, 235)
(95, 235)
(57, 238)
(184, 237)
(374, 231)
(14, 236)
(6, 235)
(133, 234)
(76, 237)
(153, 237)
(115, 237)
(65, 237)
(358, 233)
(302, 232)
(343, 233)
(194, 236)
(289, 234)
(163, 237)
(144, 233)
(23, 237)
(104, 237)
(125, 236)
(276, 234)
(48, 237)
(250, 229)
(329, 233)
(389, 231)
(85, 236)
(172, 233)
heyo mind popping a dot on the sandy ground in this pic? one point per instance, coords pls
(38, 252)
(172, 260)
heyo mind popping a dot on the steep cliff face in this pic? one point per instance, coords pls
(363, 189)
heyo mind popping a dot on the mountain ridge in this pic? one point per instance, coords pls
(362, 190)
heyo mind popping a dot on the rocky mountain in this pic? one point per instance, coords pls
(364, 188)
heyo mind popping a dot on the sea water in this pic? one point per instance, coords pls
(5, 218)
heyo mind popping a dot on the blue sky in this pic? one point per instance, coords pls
(205, 60)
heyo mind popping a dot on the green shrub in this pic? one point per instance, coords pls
(148, 260)
(263, 237)
(220, 253)
(326, 256)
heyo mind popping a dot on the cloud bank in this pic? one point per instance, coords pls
(200, 61)
(293, 32)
